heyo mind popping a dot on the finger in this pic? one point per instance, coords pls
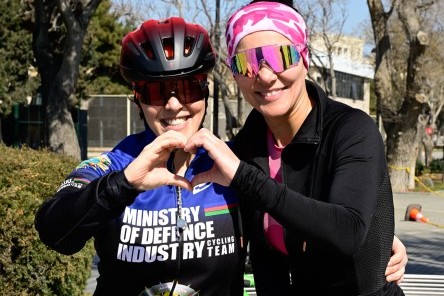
(405, 260)
(399, 253)
(217, 149)
(395, 259)
(395, 263)
(199, 179)
(167, 143)
(159, 151)
(400, 280)
(202, 138)
(396, 267)
(180, 181)
(170, 137)
(224, 158)
(213, 175)
(397, 277)
(392, 269)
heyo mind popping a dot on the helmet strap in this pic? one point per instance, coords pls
(141, 115)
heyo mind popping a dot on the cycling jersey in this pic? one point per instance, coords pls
(134, 232)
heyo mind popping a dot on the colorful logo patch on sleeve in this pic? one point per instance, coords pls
(74, 182)
(101, 162)
(220, 209)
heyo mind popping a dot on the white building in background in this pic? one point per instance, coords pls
(354, 72)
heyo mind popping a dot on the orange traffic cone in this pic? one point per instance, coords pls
(413, 213)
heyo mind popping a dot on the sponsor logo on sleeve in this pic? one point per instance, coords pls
(101, 162)
(74, 182)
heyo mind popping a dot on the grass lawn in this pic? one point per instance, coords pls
(429, 182)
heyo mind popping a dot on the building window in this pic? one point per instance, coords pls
(349, 86)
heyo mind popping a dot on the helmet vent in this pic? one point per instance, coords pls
(188, 48)
(168, 48)
(146, 46)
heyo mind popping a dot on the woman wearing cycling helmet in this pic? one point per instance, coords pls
(151, 235)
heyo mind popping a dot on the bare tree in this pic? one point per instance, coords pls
(434, 56)
(226, 85)
(401, 83)
(131, 12)
(325, 21)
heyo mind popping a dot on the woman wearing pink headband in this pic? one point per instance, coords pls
(311, 172)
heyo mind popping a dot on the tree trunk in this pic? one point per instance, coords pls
(62, 136)
(231, 121)
(428, 145)
(60, 71)
(332, 76)
(401, 156)
(1, 133)
(400, 110)
(412, 171)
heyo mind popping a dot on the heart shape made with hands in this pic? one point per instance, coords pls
(150, 170)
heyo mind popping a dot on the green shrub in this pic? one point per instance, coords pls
(436, 166)
(419, 168)
(27, 266)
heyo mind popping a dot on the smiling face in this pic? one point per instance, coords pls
(174, 115)
(272, 94)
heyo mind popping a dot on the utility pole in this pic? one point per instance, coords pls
(215, 77)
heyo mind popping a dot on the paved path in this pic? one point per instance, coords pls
(424, 242)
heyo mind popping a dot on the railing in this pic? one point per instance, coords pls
(423, 284)
(413, 285)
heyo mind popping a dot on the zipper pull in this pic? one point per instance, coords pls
(304, 246)
(180, 227)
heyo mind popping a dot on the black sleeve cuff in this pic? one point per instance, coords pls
(255, 188)
(242, 182)
(115, 189)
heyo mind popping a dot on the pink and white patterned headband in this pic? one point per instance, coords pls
(267, 16)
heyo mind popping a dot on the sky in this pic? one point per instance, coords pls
(357, 12)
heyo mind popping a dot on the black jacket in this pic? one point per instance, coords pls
(335, 199)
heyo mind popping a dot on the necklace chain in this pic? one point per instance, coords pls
(181, 225)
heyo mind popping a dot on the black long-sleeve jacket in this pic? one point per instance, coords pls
(335, 203)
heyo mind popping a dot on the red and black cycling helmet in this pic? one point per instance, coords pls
(165, 49)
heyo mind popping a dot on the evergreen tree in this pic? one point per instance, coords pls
(99, 68)
(18, 78)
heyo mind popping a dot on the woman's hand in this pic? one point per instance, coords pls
(225, 161)
(396, 266)
(149, 170)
